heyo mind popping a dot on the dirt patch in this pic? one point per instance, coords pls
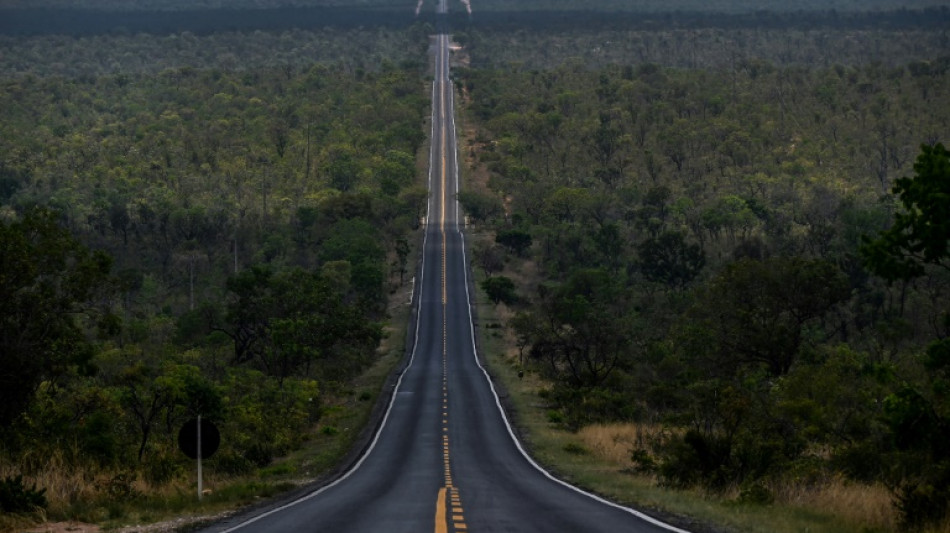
(167, 526)
(460, 56)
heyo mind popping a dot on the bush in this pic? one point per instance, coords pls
(575, 449)
(15, 497)
(591, 405)
(755, 494)
(500, 289)
(860, 462)
(643, 462)
(516, 240)
(98, 438)
(161, 469)
(680, 467)
(921, 504)
(120, 488)
(232, 463)
(260, 454)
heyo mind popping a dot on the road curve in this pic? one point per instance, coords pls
(445, 458)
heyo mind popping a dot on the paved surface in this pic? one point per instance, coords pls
(444, 459)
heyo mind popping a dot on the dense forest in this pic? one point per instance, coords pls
(736, 251)
(82, 57)
(197, 240)
(705, 48)
(715, 6)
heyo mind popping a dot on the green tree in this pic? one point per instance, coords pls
(518, 241)
(356, 240)
(920, 234)
(480, 207)
(500, 289)
(343, 168)
(489, 257)
(919, 413)
(754, 312)
(669, 259)
(582, 330)
(49, 284)
(294, 323)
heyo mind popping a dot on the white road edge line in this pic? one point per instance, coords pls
(392, 399)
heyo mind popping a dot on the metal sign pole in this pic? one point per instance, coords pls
(199, 458)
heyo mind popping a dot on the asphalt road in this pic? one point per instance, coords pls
(445, 458)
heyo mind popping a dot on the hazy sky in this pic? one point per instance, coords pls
(499, 5)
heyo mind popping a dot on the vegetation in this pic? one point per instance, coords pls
(699, 224)
(720, 6)
(731, 255)
(703, 47)
(195, 240)
(141, 53)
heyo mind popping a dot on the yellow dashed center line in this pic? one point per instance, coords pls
(448, 516)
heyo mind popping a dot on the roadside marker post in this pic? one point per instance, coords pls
(199, 439)
(199, 459)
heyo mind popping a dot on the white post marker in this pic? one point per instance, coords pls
(199, 459)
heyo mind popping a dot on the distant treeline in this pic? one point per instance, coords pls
(936, 18)
(92, 22)
(81, 22)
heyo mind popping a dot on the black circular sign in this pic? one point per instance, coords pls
(188, 438)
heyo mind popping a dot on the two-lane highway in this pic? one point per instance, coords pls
(445, 458)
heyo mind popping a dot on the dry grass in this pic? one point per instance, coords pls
(614, 442)
(63, 482)
(67, 484)
(870, 505)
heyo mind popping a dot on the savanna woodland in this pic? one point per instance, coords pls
(716, 232)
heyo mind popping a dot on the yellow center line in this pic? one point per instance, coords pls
(442, 514)
(441, 525)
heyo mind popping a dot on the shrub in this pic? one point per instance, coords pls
(161, 469)
(680, 467)
(575, 449)
(15, 497)
(500, 289)
(260, 454)
(755, 494)
(232, 463)
(643, 462)
(120, 488)
(921, 504)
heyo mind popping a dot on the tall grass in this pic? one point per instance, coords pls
(64, 482)
(870, 506)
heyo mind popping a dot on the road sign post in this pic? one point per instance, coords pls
(199, 459)
(199, 439)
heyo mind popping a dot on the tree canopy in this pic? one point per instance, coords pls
(52, 288)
